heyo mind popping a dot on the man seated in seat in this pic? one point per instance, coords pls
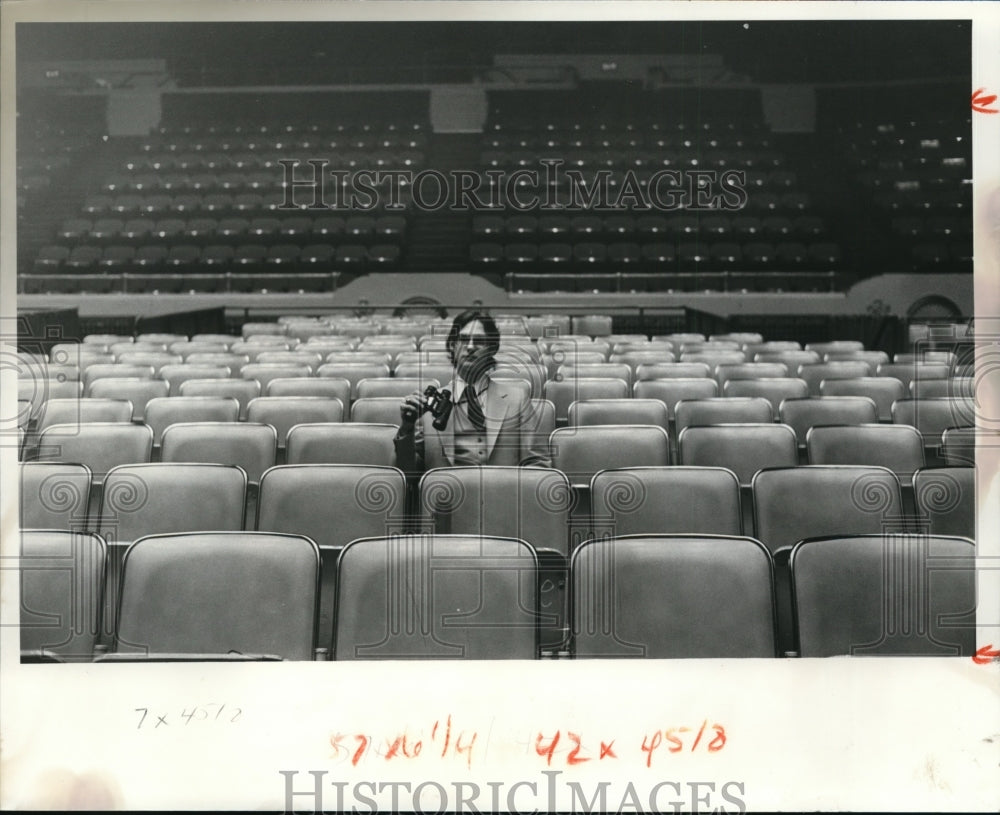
(491, 421)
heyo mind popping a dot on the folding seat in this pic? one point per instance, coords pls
(113, 371)
(152, 359)
(330, 387)
(669, 500)
(175, 600)
(354, 372)
(792, 358)
(835, 346)
(328, 226)
(376, 410)
(157, 204)
(563, 393)
(817, 373)
(590, 412)
(555, 254)
(634, 358)
(714, 358)
(933, 416)
(776, 227)
(106, 230)
(242, 390)
(391, 227)
(61, 588)
(192, 355)
(939, 357)
(264, 372)
(620, 226)
(384, 255)
(672, 370)
(805, 413)
(725, 255)
(775, 389)
(396, 387)
(651, 227)
(961, 387)
(54, 495)
(958, 446)
(442, 372)
(332, 504)
(137, 230)
(655, 596)
(176, 375)
(97, 204)
(346, 443)
(299, 356)
(118, 348)
(284, 412)
(708, 412)
(98, 446)
(794, 503)
(574, 369)
(580, 452)
(884, 391)
(201, 230)
(466, 597)
(351, 255)
(242, 444)
(83, 259)
(55, 411)
(897, 447)
(873, 358)
(910, 372)
(885, 595)
(51, 259)
(165, 411)
(486, 253)
(946, 498)
(520, 253)
(488, 226)
(749, 370)
(672, 391)
(296, 228)
(359, 227)
(742, 448)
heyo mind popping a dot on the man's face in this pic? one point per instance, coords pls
(472, 351)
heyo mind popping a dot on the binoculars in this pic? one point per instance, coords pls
(439, 403)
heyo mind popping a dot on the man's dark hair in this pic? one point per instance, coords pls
(462, 320)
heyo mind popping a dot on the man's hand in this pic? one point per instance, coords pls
(413, 405)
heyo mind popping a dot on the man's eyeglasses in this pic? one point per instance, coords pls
(476, 342)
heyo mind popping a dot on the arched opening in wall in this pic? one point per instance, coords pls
(420, 306)
(933, 309)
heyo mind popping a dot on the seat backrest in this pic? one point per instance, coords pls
(167, 410)
(102, 370)
(354, 372)
(376, 409)
(437, 597)
(908, 372)
(54, 495)
(897, 447)
(346, 443)
(242, 390)
(803, 414)
(817, 373)
(776, 390)
(596, 370)
(958, 446)
(529, 503)
(946, 497)
(706, 412)
(332, 504)
(284, 412)
(656, 596)
(672, 370)
(154, 499)
(175, 375)
(670, 500)
(882, 390)
(71, 411)
(742, 448)
(62, 593)
(749, 370)
(250, 446)
(884, 595)
(672, 391)
(177, 595)
(563, 393)
(329, 386)
(394, 386)
(101, 447)
(962, 387)
(580, 452)
(136, 391)
(618, 411)
(794, 503)
(933, 416)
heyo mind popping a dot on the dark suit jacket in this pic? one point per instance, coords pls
(510, 436)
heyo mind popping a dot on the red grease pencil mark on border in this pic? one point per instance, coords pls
(986, 654)
(980, 102)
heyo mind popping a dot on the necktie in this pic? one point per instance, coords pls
(476, 415)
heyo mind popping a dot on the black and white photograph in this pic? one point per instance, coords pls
(500, 407)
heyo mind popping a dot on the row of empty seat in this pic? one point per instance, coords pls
(455, 597)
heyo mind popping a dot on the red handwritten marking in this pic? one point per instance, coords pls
(698, 737)
(606, 749)
(719, 741)
(649, 747)
(574, 754)
(362, 746)
(459, 749)
(986, 654)
(980, 102)
(447, 736)
(546, 751)
(678, 745)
